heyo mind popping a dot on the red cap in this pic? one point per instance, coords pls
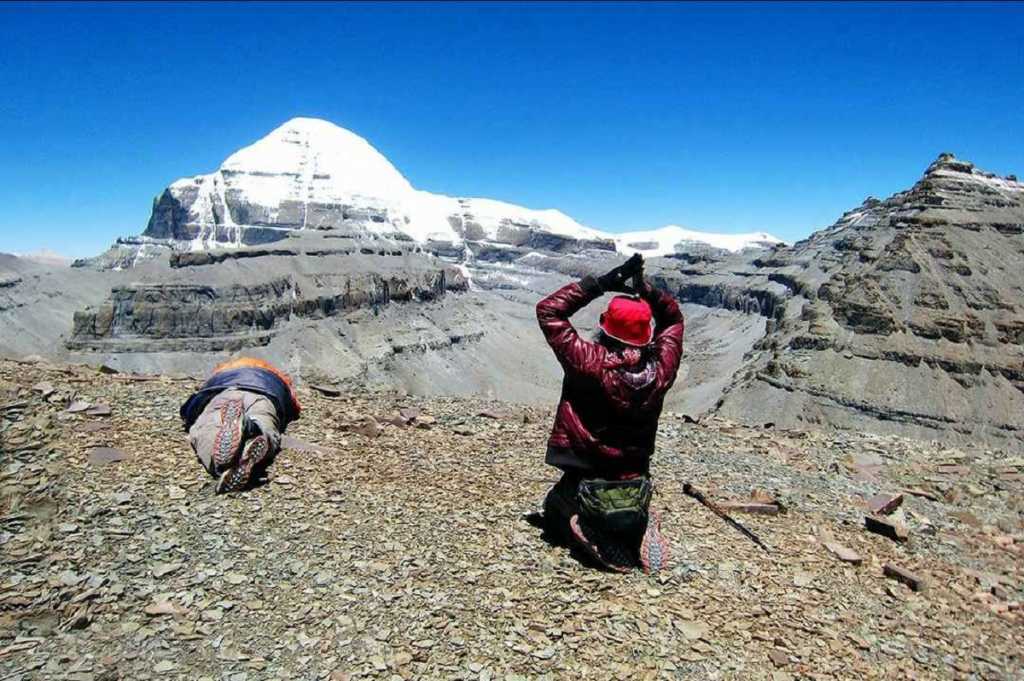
(628, 320)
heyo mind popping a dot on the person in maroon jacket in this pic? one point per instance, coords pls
(607, 418)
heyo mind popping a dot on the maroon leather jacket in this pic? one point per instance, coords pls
(607, 418)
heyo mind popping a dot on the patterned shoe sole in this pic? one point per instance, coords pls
(654, 551)
(238, 478)
(228, 440)
(590, 547)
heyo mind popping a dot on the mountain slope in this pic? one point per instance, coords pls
(907, 315)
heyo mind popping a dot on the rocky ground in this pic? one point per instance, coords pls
(398, 546)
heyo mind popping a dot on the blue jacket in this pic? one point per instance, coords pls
(253, 379)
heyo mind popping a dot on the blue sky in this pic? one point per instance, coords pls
(729, 118)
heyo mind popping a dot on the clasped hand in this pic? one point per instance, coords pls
(617, 279)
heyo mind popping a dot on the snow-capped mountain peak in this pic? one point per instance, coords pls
(323, 159)
(310, 174)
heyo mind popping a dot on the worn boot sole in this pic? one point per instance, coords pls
(237, 479)
(228, 440)
(592, 548)
(654, 549)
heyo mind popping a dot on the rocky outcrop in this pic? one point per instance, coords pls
(218, 310)
(905, 316)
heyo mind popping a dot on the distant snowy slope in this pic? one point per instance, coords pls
(45, 256)
(672, 238)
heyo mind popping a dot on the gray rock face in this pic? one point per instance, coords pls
(230, 306)
(905, 316)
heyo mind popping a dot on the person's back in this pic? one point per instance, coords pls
(613, 390)
(235, 420)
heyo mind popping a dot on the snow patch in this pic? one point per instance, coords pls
(664, 241)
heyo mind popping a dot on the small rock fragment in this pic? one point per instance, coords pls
(163, 608)
(884, 504)
(327, 390)
(802, 579)
(844, 554)
(691, 630)
(78, 406)
(100, 456)
(749, 507)
(920, 492)
(368, 428)
(45, 388)
(887, 528)
(99, 410)
(212, 615)
(904, 576)
(163, 569)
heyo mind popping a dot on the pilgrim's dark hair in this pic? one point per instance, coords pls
(613, 345)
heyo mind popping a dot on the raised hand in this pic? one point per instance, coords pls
(617, 279)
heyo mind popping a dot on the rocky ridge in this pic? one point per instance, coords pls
(906, 314)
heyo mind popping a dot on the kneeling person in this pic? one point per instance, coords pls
(607, 419)
(235, 420)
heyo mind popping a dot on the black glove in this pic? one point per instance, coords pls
(616, 279)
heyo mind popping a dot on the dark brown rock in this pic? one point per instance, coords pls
(912, 580)
(887, 528)
(327, 390)
(920, 492)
